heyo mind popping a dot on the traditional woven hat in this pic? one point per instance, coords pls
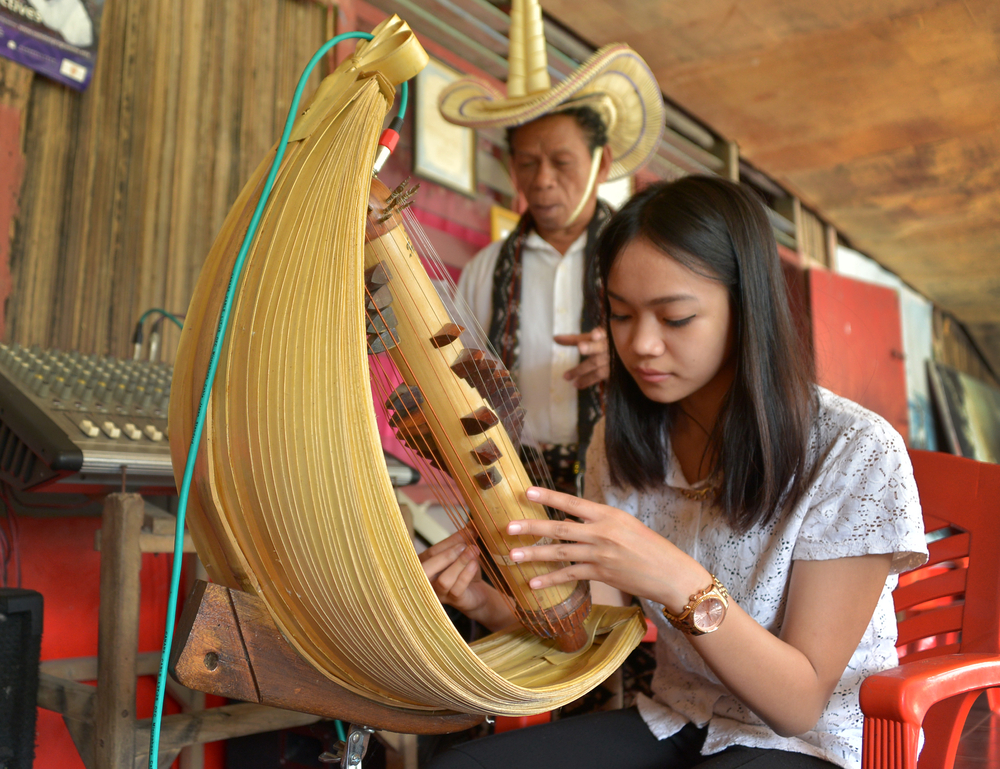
(615, 82)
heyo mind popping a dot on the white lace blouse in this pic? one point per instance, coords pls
(863, 500)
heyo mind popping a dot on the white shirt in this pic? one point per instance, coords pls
(551, 303)
(863, 500)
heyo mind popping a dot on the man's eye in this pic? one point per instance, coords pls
(680, 322)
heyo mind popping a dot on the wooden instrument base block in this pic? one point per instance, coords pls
(226, 643)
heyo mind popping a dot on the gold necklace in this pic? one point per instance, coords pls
(698, 494)
(711, 488)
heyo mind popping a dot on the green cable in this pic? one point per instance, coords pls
(164, 313)
(404, 97)
(213, 364)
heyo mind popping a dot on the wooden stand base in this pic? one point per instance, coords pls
(235, 635)
(227, 644)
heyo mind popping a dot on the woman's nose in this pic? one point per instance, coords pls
(646, 341)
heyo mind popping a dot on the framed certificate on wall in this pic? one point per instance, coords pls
(443, 152)
(502, 222)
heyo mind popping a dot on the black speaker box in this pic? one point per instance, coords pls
(20, 644)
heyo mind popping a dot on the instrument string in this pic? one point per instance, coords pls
(526, 597)
(398, 285)
(493, 537)
(384, 374)
(473, 334)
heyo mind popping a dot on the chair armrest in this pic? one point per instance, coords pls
(905, 693)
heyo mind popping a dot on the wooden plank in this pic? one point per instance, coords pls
(153, 543)
(85, 668)
(83, 738)
(73, 700)
(118, 631)
(222, 723)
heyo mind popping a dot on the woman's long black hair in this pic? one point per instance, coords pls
(719, 229)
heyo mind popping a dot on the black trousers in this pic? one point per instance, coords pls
(615, 739)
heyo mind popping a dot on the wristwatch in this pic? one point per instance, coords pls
(704, 612)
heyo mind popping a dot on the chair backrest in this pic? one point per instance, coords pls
(952, 603)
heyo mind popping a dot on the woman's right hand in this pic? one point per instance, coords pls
(452, 566)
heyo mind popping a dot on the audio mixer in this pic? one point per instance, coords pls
(69, 421)
(85, 423)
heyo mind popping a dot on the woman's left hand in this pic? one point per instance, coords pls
(609, 546)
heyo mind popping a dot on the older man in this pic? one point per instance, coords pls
(536, 294)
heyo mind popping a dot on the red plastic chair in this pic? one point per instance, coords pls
(949, 628)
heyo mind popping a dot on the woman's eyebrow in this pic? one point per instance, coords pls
(659, 300)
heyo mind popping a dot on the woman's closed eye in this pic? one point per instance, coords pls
(678, 323)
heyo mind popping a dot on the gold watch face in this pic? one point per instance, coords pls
(708, 614)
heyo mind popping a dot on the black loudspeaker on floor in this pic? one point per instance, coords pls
(20, 644)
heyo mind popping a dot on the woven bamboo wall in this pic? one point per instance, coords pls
(126, 184)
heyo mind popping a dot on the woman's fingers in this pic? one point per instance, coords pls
(579, 508)
(449, 579)
(572, 573)
(560, 551)
(451, 572)
(439, 558)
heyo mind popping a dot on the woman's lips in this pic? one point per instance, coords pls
(649, 375)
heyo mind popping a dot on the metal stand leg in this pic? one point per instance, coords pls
(349, 754)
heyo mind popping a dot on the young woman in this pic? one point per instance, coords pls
(760, 519)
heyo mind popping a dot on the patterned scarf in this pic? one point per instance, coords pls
(505, 322)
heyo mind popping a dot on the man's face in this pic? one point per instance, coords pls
(551, 164)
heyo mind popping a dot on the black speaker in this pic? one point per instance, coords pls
(20, 644)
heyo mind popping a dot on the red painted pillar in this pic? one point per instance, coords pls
(15, 85)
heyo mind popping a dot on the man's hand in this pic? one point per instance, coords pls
(595, 364)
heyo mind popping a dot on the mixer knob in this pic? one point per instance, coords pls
(132, 431)
(152, 433)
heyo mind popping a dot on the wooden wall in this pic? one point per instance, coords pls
(125, 185)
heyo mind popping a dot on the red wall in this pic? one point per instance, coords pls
(857, 338)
